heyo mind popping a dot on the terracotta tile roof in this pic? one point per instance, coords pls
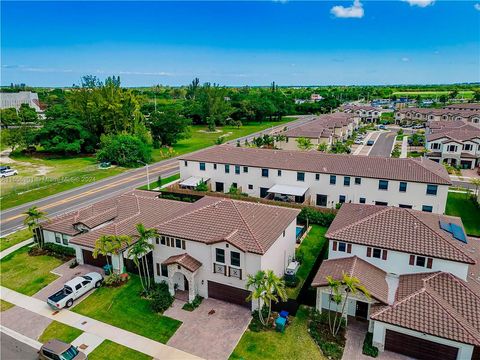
(185, 260)
(321, 126)
(473, 106)
(409, 169)
(369, 275)
(405, 230)
(438, 304)
(439, 112)
(251, 227)
(361, 107)
(459, 134)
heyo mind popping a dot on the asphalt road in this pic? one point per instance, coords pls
(12, 219)
(383, 145)
(12, 349)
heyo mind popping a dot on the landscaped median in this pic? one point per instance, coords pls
(14, 238)
(123, 307)
(108, 350)
(57, 330)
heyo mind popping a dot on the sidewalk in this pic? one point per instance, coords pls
(97, 328)
(359, 150)
(15, 248)
(404, 152)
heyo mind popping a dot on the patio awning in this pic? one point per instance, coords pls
(192, 181)
(288, 190)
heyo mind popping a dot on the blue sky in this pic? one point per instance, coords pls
(240, 43)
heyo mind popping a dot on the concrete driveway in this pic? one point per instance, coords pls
(212, 337)
(24, 322)
(65, 274)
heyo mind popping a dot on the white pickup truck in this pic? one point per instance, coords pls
(73, 289)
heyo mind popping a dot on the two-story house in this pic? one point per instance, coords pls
(422, 115)
(320, 179)
(416, 269)
(368, 114)
(204, 248)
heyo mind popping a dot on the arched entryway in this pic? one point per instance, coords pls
(450, 161)
(181, 275)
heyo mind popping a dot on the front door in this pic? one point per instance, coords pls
(263, 192)
(321, 200)
(185, 283)
(362, 310)
(219, 186)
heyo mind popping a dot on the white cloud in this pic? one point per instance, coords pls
(405, 59)
(420, 3)
(354, 11)
(477, 6)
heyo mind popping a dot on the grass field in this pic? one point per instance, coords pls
(5, 305)
(14, 238)
(432, 94)
(27, 274)
(200, 138)
(460, 205)
(41, 177)
(123, 307)
(57, 330)
(155, 184)
(310, 248)
(294, 343)
(109, 350)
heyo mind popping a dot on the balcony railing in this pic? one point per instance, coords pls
(219, 269)
(235, 272)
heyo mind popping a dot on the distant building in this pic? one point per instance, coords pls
(466, 106)
(424, 115)
(15, 100)
(316, 97)
(367, 113)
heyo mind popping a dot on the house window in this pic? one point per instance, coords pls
(300, 176)
(403, 206)
(220, 256)
(65, 239)
(317, 177)
(237, 169)
(346, 180)
(358, 181)
(227, 169)
(202, 166)
(234, 185)
(162, 240)
(264, 172)
(185, 163)
(342, 246)
(245, 169)
(164, 270)
(178, 243)
(214, 166)
(362, 200)
(377, 253)
(452, 148)
(467, 147)
(235, 258)
(402, 187)
(427, 208)
(382, 184)
(184, 245)
(432, 189)
(341, 199)
(333, 179)
(435, 146)
(381, 203)
(421, 261)
(158, 268)
(167, 239)
(279, 172)
(58, 238)
(250, 187)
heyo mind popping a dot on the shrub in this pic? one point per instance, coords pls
(59, 250)
(73, 264)
(190, 306)
(255, 324)
(291, 280)
(161, 299)
(368, 348)
(316, 217)
(331, 346)
(114, 279)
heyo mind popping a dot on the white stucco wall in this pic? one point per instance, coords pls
(49, 237)
(398, 262)
(281, 252)
(465, 351)
(415, 195)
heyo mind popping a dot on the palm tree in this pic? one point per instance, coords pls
(336, 298)
(304, 143)
(275, 289)
(32, 217)
(110, 244)
(256, 282)
(138, 252)
(475, 182)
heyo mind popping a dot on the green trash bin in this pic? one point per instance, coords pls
(280, 324)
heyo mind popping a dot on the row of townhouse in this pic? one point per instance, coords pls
(205, 248)
(368, 114)
(422, 276)
(456, 143)
(324, 129)
(319, 179)
(410, 115)
(464, 106)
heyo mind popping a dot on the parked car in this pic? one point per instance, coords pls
(418, 126)
(8, 172)
(74, 289)
(382, 127)
(3, 168)
(56, 350)
(292, 268)
(370, 142)
(358, 142)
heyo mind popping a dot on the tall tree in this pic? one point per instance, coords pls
(168, 127)
(111, 245)
(32, 218)
(304, 143)
(138, 252)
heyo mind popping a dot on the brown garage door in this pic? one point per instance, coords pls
(229, 294)
(418, 348)
(100, 261)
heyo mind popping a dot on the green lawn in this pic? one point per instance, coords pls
(310, 248)
(154, 183)
(200, 139)
(294, 343)
(14, 238)
(41, 177)
(109, 350)
(123, 307)
(460, 205)
(57, 330)
(27, 274)
(5, 305)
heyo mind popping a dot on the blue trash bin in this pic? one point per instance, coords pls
(107, 269)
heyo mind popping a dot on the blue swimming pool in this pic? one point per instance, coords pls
(299, 231)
